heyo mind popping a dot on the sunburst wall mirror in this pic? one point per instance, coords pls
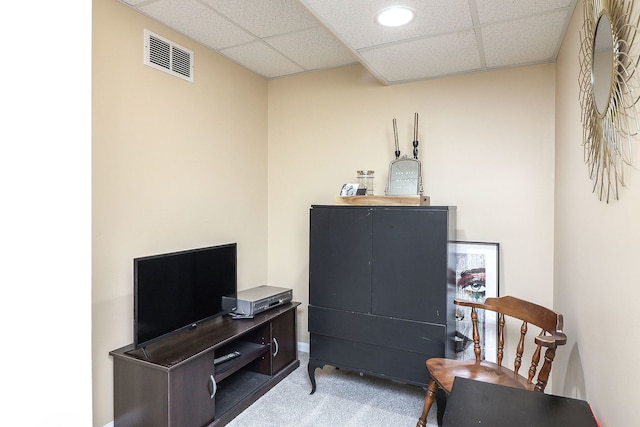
(609, 91)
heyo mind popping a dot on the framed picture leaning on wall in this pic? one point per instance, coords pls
(477, 270)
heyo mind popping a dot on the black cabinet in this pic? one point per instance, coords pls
(379, 299)
(174, 382)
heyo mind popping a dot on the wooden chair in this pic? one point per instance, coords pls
(443, 371)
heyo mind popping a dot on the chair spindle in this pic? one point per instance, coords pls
(476, 335)
(543, 376)
(500, 354)
(534, 363)
(520, 349)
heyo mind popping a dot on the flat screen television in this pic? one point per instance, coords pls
(178, 290)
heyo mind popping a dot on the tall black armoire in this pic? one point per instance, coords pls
(379, 298)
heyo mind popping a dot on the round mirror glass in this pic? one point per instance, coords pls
(602, 66)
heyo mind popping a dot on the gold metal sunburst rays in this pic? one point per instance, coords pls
(610, 125)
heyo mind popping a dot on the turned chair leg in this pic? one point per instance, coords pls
(428, 401)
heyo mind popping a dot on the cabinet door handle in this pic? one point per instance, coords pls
(275, 344)
(214, 386)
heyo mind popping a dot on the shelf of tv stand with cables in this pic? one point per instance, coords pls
(179, 380)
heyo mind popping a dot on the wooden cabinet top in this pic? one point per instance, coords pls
(208, 335)
(384, 207)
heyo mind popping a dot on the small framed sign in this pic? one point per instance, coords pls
(349, 190)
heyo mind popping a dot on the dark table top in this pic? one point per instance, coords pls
(477, 404)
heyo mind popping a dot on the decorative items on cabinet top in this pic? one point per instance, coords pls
(404, 179)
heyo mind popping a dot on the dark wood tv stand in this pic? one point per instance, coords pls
(174, 382)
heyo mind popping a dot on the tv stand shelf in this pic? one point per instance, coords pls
(174, 382)
(248, 353)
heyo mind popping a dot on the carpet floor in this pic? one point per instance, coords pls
(342, 399)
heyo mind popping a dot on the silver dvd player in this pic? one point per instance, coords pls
(256, 300)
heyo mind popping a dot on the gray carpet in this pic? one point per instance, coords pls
(342, 399)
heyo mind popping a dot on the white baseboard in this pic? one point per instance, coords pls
(109, 425)
(303, 346)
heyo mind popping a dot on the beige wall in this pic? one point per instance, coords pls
(176, 165)
(486, 146)
(596, 252)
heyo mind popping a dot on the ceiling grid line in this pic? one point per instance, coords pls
(476, 27)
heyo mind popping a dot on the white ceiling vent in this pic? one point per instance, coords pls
(164, 55)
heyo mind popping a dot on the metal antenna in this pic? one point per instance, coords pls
(395, 135)
(415, 136)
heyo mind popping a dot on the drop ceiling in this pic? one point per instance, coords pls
(279, 38)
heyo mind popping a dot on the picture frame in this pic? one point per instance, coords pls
(349, 189)
(477, 272)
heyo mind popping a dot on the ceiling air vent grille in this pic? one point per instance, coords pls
(164, 55)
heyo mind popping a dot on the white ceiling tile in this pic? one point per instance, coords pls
(502, 10)
(197, 21)
(354, 22)
(425, 58)
(262, 59)
(524, 44)
(265, 18)
(282, 37)
(313, 49)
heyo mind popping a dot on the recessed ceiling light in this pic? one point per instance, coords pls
(395, 16)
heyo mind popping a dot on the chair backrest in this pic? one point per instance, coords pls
(550, 336)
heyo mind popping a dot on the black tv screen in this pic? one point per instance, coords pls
(177, 290)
